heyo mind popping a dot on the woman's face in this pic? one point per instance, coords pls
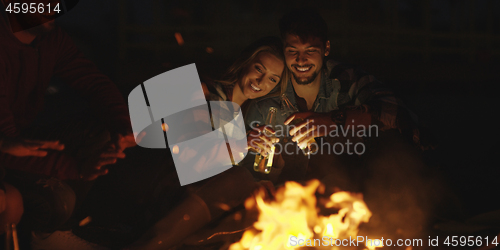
(261, 75)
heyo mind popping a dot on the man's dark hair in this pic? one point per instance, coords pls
(305, 23)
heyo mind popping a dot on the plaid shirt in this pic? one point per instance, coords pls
(343, 86)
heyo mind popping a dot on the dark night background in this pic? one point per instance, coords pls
(441, 56)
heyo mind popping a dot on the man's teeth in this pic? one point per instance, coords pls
(303, 68)
(254, 87)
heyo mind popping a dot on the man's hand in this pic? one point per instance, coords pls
(310, 125)
(92, 174)
(122, 142)
(260, 140)
(96, 167)
(114, 149)
(22, 147)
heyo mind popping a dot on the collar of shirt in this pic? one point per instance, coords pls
(325, 90)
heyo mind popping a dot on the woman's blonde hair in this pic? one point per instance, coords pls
(271, 45)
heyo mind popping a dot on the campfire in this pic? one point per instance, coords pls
(294, 219)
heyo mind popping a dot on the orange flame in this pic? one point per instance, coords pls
(294, 213)
(179, 38)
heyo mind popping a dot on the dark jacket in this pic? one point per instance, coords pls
(25, 73)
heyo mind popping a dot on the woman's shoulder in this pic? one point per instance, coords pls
(261, 104)
(213, 90)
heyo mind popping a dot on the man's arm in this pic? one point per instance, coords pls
(73, 68)
(371, 101)
(104, 97)
(362, 101)
(7, 124)
(102, 94)
(10, 142)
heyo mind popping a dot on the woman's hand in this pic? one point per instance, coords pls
(260, 140)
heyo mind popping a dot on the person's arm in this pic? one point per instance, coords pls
(73, 68)
(7, 124)
(3, 198)
(258, 142)
(362, 101)
(10, 142)
(2, 191)
(371, 101)
(255, 126)
(201, 137)
(22, 147)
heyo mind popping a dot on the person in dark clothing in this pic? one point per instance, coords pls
(11, 206)
(256, 73)
(332, 97)
(29, 59)
(33, 51)
(328, 94)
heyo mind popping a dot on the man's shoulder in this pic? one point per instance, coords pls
(345, 71)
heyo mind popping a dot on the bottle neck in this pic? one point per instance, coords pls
(287, 105)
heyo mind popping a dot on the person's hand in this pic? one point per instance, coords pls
(312, 125)
(90, 174)
(109, 155)
(122, 142)
(114, 149)
(260, 140)
(96, 167)
(3, 201)
(22, 147)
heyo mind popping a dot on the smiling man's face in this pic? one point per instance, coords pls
(305, 58)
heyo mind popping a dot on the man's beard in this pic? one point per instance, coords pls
(306, 81)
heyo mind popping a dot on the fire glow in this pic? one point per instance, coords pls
(294, 216)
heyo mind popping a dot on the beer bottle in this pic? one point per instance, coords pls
(263, 164)
(289, 109)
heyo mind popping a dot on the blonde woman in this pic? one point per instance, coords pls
(256, 73)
